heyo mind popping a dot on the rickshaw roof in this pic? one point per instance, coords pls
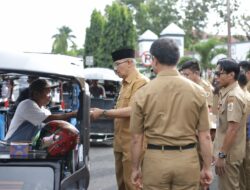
(98, 73)
(53, 64)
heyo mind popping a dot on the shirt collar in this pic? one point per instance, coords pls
(169, 72)
(225, 90)
(130, 77)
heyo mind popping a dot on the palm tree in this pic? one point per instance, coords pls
(248, 55)
(60, 44)
(204, 49)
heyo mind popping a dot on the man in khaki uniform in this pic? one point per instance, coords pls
(230, 139)
(124, 65)
(243, 80)
(169, 111)
(191, 70)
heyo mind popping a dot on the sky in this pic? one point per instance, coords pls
(28, 25)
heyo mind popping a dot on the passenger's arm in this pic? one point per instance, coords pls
(63, 116)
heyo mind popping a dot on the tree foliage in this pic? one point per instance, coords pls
(94, 35)
(248, 56)
(158, 14)
(194, 20)
(204, 49)
(183, 60)
(62, 40)
(154, 15)
(244, 22)
(119, 32)
(220, 7)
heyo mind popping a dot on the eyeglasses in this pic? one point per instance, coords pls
(185, 74)
(218, 73)
(116, 64)
(244, 71)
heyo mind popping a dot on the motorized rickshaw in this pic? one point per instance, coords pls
(26, 165)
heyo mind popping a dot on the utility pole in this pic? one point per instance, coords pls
(229, 30)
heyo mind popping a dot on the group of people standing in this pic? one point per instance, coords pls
(162, 127)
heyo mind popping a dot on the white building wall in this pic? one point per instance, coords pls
(144, 46)
(239, 51)
(179, 40)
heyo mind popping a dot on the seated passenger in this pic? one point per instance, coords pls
(97, 90)
(24, 94)
(110, 89)
(32, 113)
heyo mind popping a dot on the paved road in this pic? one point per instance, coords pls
(102, 172)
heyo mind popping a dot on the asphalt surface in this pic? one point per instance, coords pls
(102, 168)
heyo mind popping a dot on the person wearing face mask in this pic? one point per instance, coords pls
(32, 113)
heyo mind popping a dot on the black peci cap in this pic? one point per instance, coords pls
(123, 54)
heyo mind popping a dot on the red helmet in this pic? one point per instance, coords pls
(58, 138)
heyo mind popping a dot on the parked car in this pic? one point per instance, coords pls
(24, 165)
(102, 129)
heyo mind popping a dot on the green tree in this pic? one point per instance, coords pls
(248, 56)
(154, 15)
(204, 49)
(93, 38)
(183, 60)
(244, 22)
(194, 19)
(220, 7)
(60, 44)
(119, 32)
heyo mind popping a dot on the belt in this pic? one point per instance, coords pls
(162, 147)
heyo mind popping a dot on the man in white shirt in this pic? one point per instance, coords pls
(31, 113)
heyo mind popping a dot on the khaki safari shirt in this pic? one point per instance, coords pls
(129, 86)
(232, 107)
(247, 95)
(209, 91)
(169, 110)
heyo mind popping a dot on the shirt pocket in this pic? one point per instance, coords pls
(223, 118)
(125, 99)
(222, 109)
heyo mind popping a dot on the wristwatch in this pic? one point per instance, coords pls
(104, 113)
(222, 155)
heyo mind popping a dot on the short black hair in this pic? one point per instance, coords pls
(193, 65)
(38, 86)
(166, 51)
(242, 79)
(245, 65)
(229, 65)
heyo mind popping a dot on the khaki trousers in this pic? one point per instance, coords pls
(245, 170)
(123, 168)
(231, 179)
(171, 170)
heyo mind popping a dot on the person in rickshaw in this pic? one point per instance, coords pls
(31, 114)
